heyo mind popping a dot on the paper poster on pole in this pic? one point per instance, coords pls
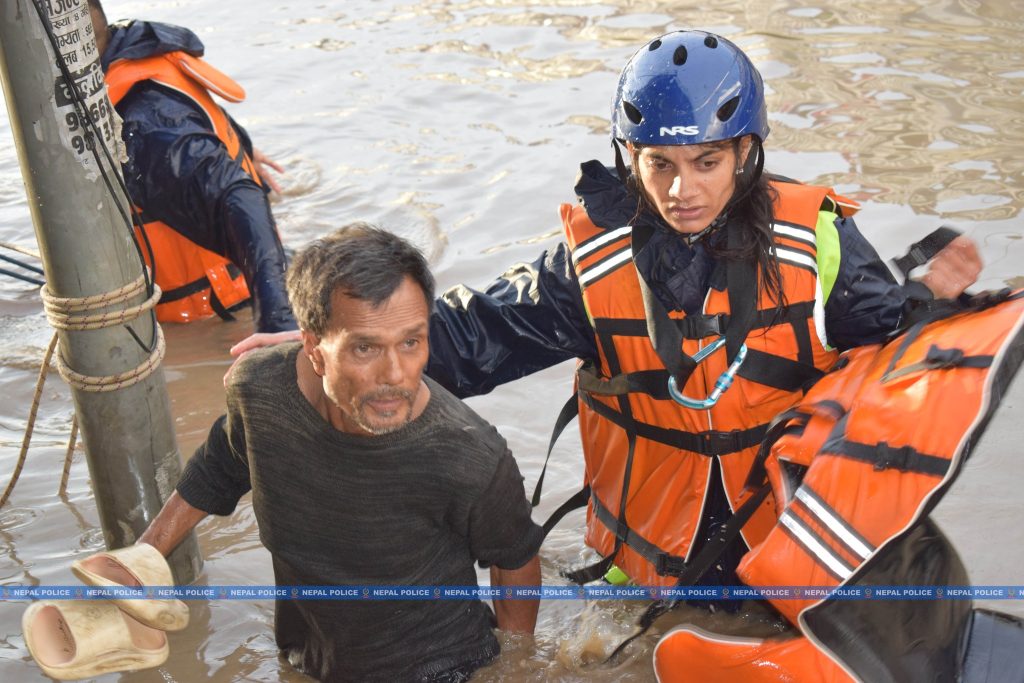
(76, 45)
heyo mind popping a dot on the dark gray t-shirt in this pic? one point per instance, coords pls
(417, 506)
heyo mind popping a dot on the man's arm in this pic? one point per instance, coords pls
(517, 616)
(174, 521)
(501, 533)
(213, 480)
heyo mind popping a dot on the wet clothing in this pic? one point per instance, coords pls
(180, 173)
(635, 437)
(533, 316)
(414, 507)
(856, 466)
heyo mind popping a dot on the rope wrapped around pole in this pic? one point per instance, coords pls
(75, 313)
(71, 313)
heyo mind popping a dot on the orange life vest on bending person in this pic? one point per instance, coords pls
(668, 475)
(196, 282)
(857, 465)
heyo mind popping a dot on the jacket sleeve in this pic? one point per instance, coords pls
(180, 172)
(530, 318)
(867, 304)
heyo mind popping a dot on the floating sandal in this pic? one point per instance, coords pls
(72, 639)
(135, 566)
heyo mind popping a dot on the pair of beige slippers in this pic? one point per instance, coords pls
(73, 639)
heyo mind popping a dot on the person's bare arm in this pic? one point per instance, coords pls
(517, 616)
(175, 519)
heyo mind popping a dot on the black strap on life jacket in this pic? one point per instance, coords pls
(708, 443)
(200, 285)
(881, 455)
(700, 564)
(665, 564)
(764, 368)
(923, 251)
(578, 500)
(938, 359)
(619, 525)
(782, 422)
(569, 411)
(665, 335)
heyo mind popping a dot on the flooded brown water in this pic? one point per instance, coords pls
(460, 124)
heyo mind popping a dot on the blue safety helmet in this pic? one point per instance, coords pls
(686, 88)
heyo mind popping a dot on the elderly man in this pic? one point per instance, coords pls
(366, 472)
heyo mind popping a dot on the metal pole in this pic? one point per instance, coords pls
(87, 249)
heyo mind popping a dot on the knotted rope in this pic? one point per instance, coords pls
(77, 313)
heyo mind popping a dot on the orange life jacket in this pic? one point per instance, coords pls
(625, 392)
(861, 460)
(689, 654)
(188, 275)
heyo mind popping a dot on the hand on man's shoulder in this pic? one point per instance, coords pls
(256, 341)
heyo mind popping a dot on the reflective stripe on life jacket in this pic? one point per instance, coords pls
(868, 452)
(624, 400)
(196, 282)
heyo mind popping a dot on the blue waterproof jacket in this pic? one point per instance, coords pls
(533, 317)
(180, 173)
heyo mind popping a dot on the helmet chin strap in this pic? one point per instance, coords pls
(620, 163)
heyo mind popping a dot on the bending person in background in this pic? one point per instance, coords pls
(676, 262)
(364, 473)
(194, 176)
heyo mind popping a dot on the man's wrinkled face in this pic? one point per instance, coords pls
(371, 359)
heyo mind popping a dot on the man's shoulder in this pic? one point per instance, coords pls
(269, 365)
(472, 430)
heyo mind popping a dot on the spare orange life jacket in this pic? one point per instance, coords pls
(636, 437)
(196, 282)
(859, 463)
(689, 654)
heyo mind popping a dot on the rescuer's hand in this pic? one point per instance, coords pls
(953, 269)
(258, 341)
(262, 162)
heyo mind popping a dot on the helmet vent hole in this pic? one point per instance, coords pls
(726, 111)
(711, 41)
(654, 46)
(632, 113)
(679, 56)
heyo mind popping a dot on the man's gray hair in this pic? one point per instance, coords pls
(361, 261)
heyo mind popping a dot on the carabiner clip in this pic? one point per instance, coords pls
(723, 382)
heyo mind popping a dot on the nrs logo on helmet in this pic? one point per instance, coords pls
(679, 130)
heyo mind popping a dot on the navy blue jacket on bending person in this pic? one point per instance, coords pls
(533, 316)
(181, 174)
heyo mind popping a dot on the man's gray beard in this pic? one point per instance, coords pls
(360, 419)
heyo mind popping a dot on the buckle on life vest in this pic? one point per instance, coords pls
(669, 565)
(889, 457)
(722, 384)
